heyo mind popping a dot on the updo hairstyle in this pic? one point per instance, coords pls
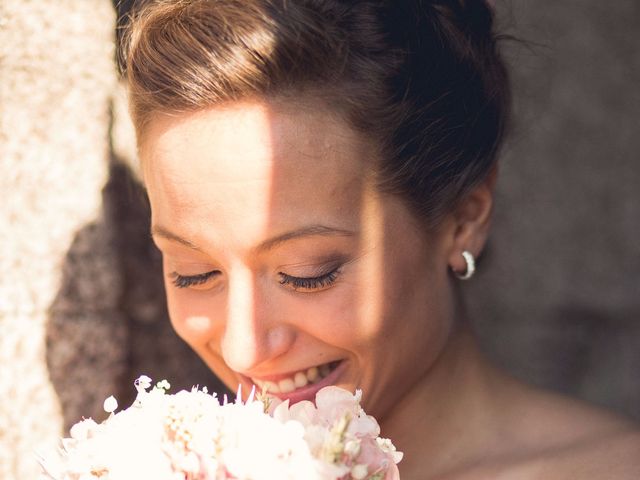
(423, 79)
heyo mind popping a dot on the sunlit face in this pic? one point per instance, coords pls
(284, 268)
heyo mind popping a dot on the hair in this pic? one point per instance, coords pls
(423, 78)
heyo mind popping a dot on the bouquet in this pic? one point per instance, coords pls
(192, 435)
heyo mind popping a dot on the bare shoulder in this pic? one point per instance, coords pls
(551, 437)
(564, 439)
(569, 439)
(612, 457)
(615, 456)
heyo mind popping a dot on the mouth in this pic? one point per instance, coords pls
(302, 384)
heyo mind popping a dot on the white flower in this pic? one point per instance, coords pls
(352, 448)
(110, 404)
(192, 435)
(143, 382)
(82, 430)
(359, 472)
(163, 385)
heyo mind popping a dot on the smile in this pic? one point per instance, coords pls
(296, 380)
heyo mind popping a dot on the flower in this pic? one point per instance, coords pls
(192, 435)
(110, 404)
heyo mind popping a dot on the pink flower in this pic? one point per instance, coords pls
(334, 402)
(377, 459)
(364, 426)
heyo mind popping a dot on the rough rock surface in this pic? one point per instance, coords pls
(56, 74)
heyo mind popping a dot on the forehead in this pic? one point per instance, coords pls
(255, 166)
(264, 134)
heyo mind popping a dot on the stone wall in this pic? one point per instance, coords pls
(56, 76)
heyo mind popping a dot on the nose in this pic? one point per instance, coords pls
(253, 333)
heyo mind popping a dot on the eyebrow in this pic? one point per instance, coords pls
(160, 231)
(269, 244)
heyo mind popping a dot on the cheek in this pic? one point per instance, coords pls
(193, 315)
(360, 312)
(332, 317)
(404, 305)
(199, 318)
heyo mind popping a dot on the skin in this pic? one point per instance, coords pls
(247, 195)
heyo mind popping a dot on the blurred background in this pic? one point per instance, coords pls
(556, 300)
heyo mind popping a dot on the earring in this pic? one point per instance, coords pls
(471, 266)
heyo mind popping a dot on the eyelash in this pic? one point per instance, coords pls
(306, 283)
(310, 283)
(182, 281)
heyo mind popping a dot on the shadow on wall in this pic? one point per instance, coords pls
(109, 323)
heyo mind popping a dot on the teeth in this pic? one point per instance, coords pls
(286, 385)
(272, 387)
(312, 374)
(299, 380)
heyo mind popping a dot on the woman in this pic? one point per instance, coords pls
(321, 177)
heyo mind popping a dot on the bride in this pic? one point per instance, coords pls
(321, 176)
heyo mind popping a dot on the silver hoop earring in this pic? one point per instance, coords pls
(471, 266)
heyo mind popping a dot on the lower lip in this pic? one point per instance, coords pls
(308, 392)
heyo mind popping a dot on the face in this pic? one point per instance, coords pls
(284, 268)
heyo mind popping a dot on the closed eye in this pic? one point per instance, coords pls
(319, 282)
(186, 281)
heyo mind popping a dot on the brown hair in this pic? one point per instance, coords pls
(422, 78)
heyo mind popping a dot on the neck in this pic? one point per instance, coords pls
(445, 420)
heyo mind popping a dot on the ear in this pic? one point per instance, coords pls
(472, 219)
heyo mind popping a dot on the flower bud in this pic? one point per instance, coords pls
(110, 404)
(359, 472)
